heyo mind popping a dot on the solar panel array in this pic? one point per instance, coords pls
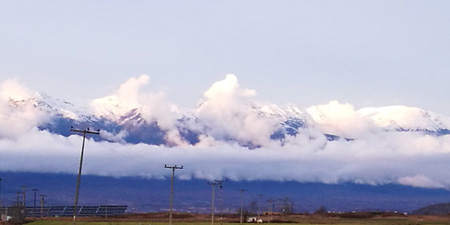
(62, 211)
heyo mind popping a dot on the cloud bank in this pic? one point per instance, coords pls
(229, 113)
(374, 155)
(16, 114)
(151, 106)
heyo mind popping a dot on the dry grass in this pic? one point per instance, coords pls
(204, 219)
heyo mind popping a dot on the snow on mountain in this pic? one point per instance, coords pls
(129, 125)
(405, 118)
(63, 108)
(226, 114)
(345, 121)
(288, 135)
(125, 100)
(19, 98)
(311, 142)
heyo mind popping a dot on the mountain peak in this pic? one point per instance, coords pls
(405, 118)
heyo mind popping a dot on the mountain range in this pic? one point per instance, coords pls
(385, 158)
(152, 195)
(130, 126)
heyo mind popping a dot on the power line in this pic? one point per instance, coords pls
(9, 117)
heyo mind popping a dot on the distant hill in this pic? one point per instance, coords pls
(436, 209)
(152, 195)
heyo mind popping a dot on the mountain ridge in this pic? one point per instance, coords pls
(133, 127)
(230, 137)
(152, 195)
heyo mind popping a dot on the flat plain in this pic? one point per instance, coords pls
(180, 219)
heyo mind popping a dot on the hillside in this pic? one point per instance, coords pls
(435, 209)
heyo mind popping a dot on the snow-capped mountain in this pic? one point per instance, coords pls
(138, 124)
(406, 119)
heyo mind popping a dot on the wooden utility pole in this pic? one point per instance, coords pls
(0, 192)
(242, 197)
(84, 132)
(173, 168)
(259, 204)
(24, 188)
(213, 184)
(34, 202)
(42, 205)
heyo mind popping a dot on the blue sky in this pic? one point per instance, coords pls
(366, 53)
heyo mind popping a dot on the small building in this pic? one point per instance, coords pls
(14, 214)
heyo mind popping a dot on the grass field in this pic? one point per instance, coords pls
(359, 218)
(380, 221)
(394, 222)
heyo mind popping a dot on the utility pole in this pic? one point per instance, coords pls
(0, 192)
(213, 184)
(84, 132)
(173, 168)
(242, 196)
(269, 217)
(17, 198)
(24, 190)
(42, 205)
(106, 210)
(221, 198)
(34, 205)
(259, 204)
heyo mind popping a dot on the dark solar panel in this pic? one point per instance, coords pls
(59, 211)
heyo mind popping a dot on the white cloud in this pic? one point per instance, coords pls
(340, 119)
(403, 117)
(228, 88)
(229, 113)
(11, 89)
(119, 137)
(18, 111)
(419, 181)
(373, 157)
(372, 160)
(125, 99)
(153, 107)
